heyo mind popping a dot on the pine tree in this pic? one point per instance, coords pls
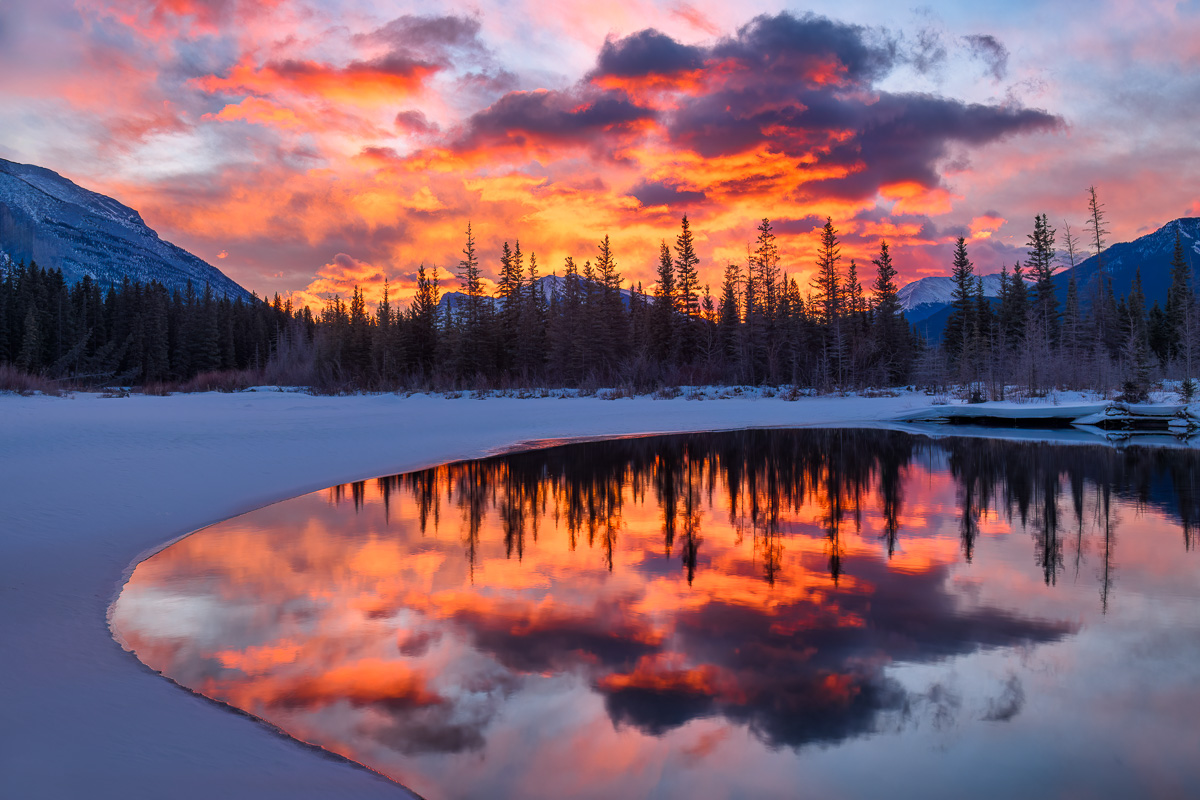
(687, 289)
(958, 327)
(1179, 299)
(890, 338)
(1041, 269)
(766, 262)
(663, 319)
(727, 312)
(1014, 310)
(687, 279)
(423, 321)
(29, 358)
(826, 283)
(470, 344)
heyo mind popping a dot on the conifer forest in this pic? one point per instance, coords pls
(587, 328)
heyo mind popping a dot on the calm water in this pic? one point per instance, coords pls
(814, 613)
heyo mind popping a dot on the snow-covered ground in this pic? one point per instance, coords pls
(89, 485)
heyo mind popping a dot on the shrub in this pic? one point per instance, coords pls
(22, 383)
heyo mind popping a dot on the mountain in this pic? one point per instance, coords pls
(1151, 253)
(48, 219)
(925, 297)
(927, 301)
(549, 284)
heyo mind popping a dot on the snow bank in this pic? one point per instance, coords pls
(89, 485)
(1086, 414)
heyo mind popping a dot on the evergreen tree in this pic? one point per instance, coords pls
(687, 285)
(687, 279)
(958, 327)
(727, 312)
(766, 263)
(1014, 310)
(663, 313)
(1179, 300)
(826, 283)
(1041, 266)
(890, 336)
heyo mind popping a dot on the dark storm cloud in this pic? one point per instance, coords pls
(794, 674)
(550, 116)
(803, 225)
(802, 85)
(903, 138)
(399, 65)
(803, 676)
(413, 121)
(544, 642)
(647, 52)
(991, 52)
(658, 193)
(788, 46)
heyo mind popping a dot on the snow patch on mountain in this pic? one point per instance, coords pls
(48, 219)
(939, 290)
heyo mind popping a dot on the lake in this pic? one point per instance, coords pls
(769, 613)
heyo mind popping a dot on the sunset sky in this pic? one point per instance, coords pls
(303, 147)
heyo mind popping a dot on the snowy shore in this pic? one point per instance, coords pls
(89, 485)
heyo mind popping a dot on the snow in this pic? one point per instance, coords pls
(1079, 413)
(82, 232)
(939, 289)
(92, 485)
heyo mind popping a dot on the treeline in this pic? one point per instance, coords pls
(585, 329)
(758, 328)
(1028, 338)
(133, 333)
(762, 480)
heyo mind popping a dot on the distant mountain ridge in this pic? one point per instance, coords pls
(927, 301)
(927, 296)
(48, 219)
(549, 285)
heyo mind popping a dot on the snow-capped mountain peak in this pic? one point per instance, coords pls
(48, 219)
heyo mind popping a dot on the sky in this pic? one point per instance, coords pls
(307, 147)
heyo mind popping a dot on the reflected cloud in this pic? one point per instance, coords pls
(775, 588)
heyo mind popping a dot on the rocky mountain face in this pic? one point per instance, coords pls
(48, 219)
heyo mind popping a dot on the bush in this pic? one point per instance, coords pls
(221, 381)
(22, 383)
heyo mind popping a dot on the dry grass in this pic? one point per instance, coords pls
(13, 380)
(222, 381)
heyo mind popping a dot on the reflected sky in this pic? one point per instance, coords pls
(825, 613)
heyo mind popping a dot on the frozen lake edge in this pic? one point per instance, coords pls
(93, 485)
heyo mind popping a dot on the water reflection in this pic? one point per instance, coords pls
(688, 615)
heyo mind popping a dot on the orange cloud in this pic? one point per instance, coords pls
(378, 82)
(984, 226)
(913, 198)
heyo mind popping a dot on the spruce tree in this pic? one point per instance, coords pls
(958, 327)
(663, 313)
(1041, 266)
(687, 285)
(727, 311)
(1179, 299)
(826, 283)
(889, 335)
(687, 279)
(766, 261)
